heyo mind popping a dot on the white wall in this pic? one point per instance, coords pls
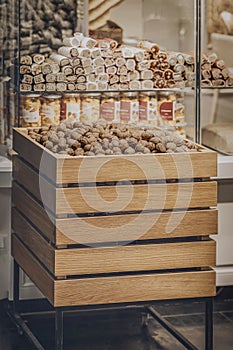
(128, 15)
(167, 22)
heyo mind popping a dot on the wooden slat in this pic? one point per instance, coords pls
(62, 169)
(33, 240)
(33, 211)
(115, 289)
(135, 258)
(37, 185)
(165, 225)
(137, 167)
(68, 231)
(114, 198)
(33, 269)
(33, 153)
(120, 289)
(138, 197)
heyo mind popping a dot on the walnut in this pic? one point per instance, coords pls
(146, 135)
(116, 150)
(61, 127)
(117, 132)
(79, 152)
(89, 153)
(69, 124)
(108, 151)
(105, 135)
(70, 151)
(53, 137)
(171, 146)
(150, 146)
(139, 148)
(87, 147)
(61, 134)
(132, 142)
(146, 150)
(84, 140)
(123, 144)
(105, 144)
(91, 139)
(136, 135)
(62, 143)
(155, 139)
(43, 138)
(75, 145)
(129, 150)
(160, 147)
(33, 136)
(190, 144)
(115, 143)
(55, 149)
(48, 144)
(75, 135)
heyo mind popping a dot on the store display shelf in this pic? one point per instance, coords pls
(225, 166)
(175, 90)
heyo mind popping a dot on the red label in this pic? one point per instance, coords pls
(143, 110)
(107, 111)
(125, 110)
(166, 110)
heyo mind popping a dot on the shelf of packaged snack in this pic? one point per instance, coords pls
(172, 90)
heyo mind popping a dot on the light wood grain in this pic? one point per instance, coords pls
(34, 183)
(68, 231)
(138, 197)
(62, 201)
(33, 152)
(62, 169)
(33, 240)
(137, 167)
(135, 258)
(33, 269)
(33, 211)
(148, 287)
(166, 225)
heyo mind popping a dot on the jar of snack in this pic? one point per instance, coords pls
(148, 108)
(110, 107)
(30, 110)
(11, 101)
(71, 107)
(90, 107)
(180, 114)
(51, 110)
(129, 112)
(166, 109)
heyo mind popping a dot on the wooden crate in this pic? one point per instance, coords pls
(112, 229)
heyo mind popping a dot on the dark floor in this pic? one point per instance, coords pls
(121, 330)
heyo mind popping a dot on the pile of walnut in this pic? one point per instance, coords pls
(100, 138)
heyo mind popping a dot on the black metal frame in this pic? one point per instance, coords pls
(23, 328)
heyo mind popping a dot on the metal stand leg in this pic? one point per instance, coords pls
(16, 288)
(58, 329)
(209, 324)
(171, 329)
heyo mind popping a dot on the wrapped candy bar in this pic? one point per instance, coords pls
(68, 51)
(60, 59)
(73, 41)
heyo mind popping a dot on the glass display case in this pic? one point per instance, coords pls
(43, 55)
(35, 59)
